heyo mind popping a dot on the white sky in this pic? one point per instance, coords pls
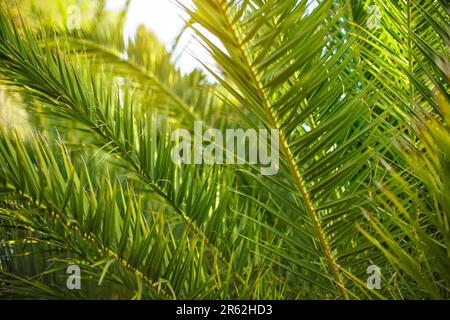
(164, 18)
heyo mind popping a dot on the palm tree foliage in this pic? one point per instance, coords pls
(363, 118)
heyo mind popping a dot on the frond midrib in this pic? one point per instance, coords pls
(300, 184)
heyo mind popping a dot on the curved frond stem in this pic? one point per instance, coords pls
(139, 70)
(301, 186)
(92, 239)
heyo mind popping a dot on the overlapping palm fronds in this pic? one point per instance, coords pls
(362, 117)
